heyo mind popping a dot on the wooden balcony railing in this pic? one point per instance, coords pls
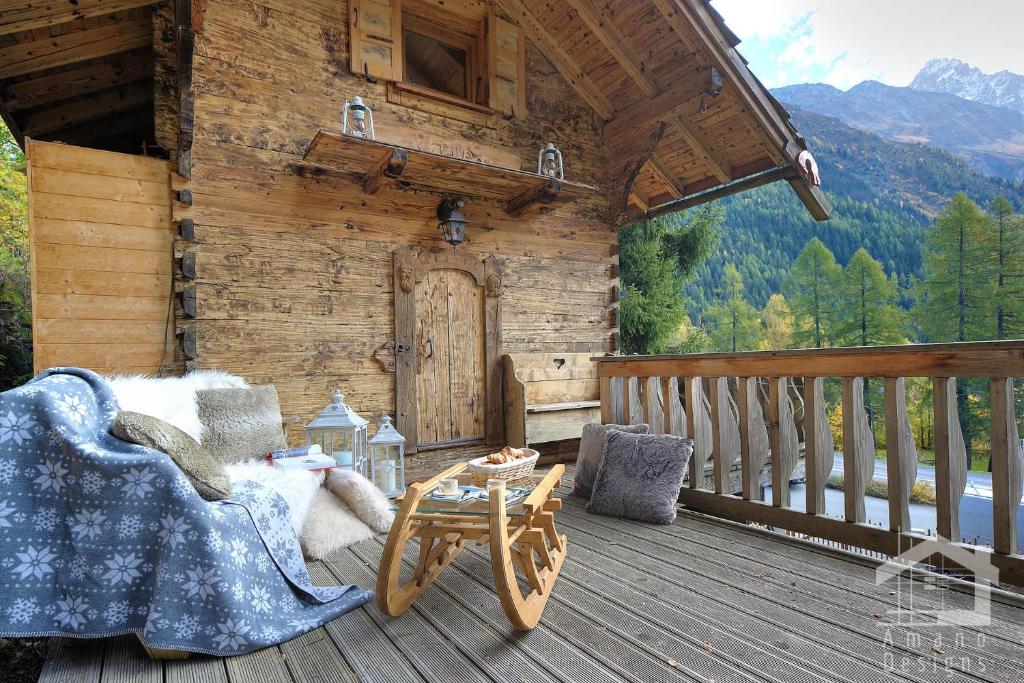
(758, 408)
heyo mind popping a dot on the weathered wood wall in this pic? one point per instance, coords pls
(293, 264)
(101, 246)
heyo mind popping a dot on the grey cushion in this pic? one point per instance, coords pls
(591, 448)
(200, 466)
(241, 424)
(640, 476)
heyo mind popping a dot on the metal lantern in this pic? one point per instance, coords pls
(341, 433)
(549, 162)
(357, 119)
(714, 88)
(387, 459)
(452, 223)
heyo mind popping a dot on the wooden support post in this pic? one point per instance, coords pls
(900, 453)
(858, 448)
(543, 193)
(606, 399)
(950, 459)
(388, 167)
(819, 451)
(1006, 467)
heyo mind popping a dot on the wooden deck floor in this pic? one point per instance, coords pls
(703, 600)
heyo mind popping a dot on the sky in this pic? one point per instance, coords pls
(844, 42)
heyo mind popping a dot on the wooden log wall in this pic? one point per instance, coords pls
(292, 263)
(101, 240)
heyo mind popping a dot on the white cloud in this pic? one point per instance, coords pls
(888, 40)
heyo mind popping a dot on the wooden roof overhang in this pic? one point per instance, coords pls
(643, 66)
(78, 71)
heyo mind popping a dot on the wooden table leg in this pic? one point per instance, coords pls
(523, 611)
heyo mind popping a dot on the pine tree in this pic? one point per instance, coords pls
(1007, 247)
(657, 258)
(809, 291)
(777, 321)
(736, 325)
(867, 305)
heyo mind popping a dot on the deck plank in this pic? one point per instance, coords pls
(262, 665)
(126, 661)
(72, 660)
(196, 669)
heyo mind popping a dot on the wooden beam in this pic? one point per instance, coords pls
(77, 46)
(389, 167)
(17, 15)
(812, 197)
(82, 79)
(698, 142)
(664, 176)
(605, 30)
(641, 202)
(99, 105)
(647, 112)
(543, 193)
(565, 65)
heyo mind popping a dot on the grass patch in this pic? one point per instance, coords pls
(922, 492)
(979, 463)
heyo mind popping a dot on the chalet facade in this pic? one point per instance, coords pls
(205, 156)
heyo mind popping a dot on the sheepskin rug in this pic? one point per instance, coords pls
(347, 510)
(298, 487)
(171, 399)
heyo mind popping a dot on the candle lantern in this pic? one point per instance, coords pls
(387, 459)
(341, 433)
(357, 119)
(451, 221)
(549, 162)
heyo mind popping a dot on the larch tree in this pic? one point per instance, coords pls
(809, 289)
(736, 325)
(777, 320)
(657, 258)
(1006, 242)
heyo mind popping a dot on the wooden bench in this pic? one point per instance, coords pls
(549, 396)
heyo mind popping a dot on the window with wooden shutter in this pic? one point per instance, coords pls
(506, 66)
(375, 30)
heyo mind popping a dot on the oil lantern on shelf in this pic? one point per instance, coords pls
(357, 119)
(549, 162)
(341, 433)
(387, 459)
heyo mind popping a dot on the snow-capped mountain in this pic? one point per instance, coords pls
(1003, 89)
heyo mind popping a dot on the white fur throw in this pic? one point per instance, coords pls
(331, 526)
(363, 497)
(171, 399)
(297, 487)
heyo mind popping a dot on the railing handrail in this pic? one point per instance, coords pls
(1003, 358)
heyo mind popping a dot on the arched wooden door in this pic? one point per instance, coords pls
(448, 348)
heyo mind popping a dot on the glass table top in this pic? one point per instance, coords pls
(473, 501)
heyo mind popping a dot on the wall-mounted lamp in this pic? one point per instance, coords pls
(549, 162)
(357, 119)
(452, 223)
(713, 88)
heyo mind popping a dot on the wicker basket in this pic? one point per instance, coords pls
(481, 470)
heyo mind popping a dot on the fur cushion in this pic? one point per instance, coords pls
(202, 469)
(640, 476)
(297, 487)
(331, 526)
(591, 449)
(171, 399)
(362, 497)
(240, 424)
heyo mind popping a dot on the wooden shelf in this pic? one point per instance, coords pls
(380, 164)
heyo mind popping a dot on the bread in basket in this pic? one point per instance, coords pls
(512, 464)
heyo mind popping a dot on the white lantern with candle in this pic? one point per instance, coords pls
(341, 433)
(387, 459)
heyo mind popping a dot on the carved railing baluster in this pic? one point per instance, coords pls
(950, 459)
(636, 413)
(753, 438)
(699, 423)
(668, 406)
(858, 448)
(649, 409)
(725, 434)
(820, 447)
(627, 400)
(900, 453)
(785, 450)
(607, 405)
(1006, 467)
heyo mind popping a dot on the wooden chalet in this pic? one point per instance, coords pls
(195, 203)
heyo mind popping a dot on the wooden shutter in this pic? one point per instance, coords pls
(375, 30)
(506, 66)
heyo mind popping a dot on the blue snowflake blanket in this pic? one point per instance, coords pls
(99, 537)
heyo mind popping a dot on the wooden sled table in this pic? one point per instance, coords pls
(521, 536)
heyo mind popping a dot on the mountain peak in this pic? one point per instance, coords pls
(956, 77)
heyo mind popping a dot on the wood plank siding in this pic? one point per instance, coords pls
(101, 256)
(698, 600)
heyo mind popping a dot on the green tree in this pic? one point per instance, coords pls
(1007, 253)
(15, 312)
(809, 290)
(777, 320)
(867, 305)
(736, 324)
(657, 258)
